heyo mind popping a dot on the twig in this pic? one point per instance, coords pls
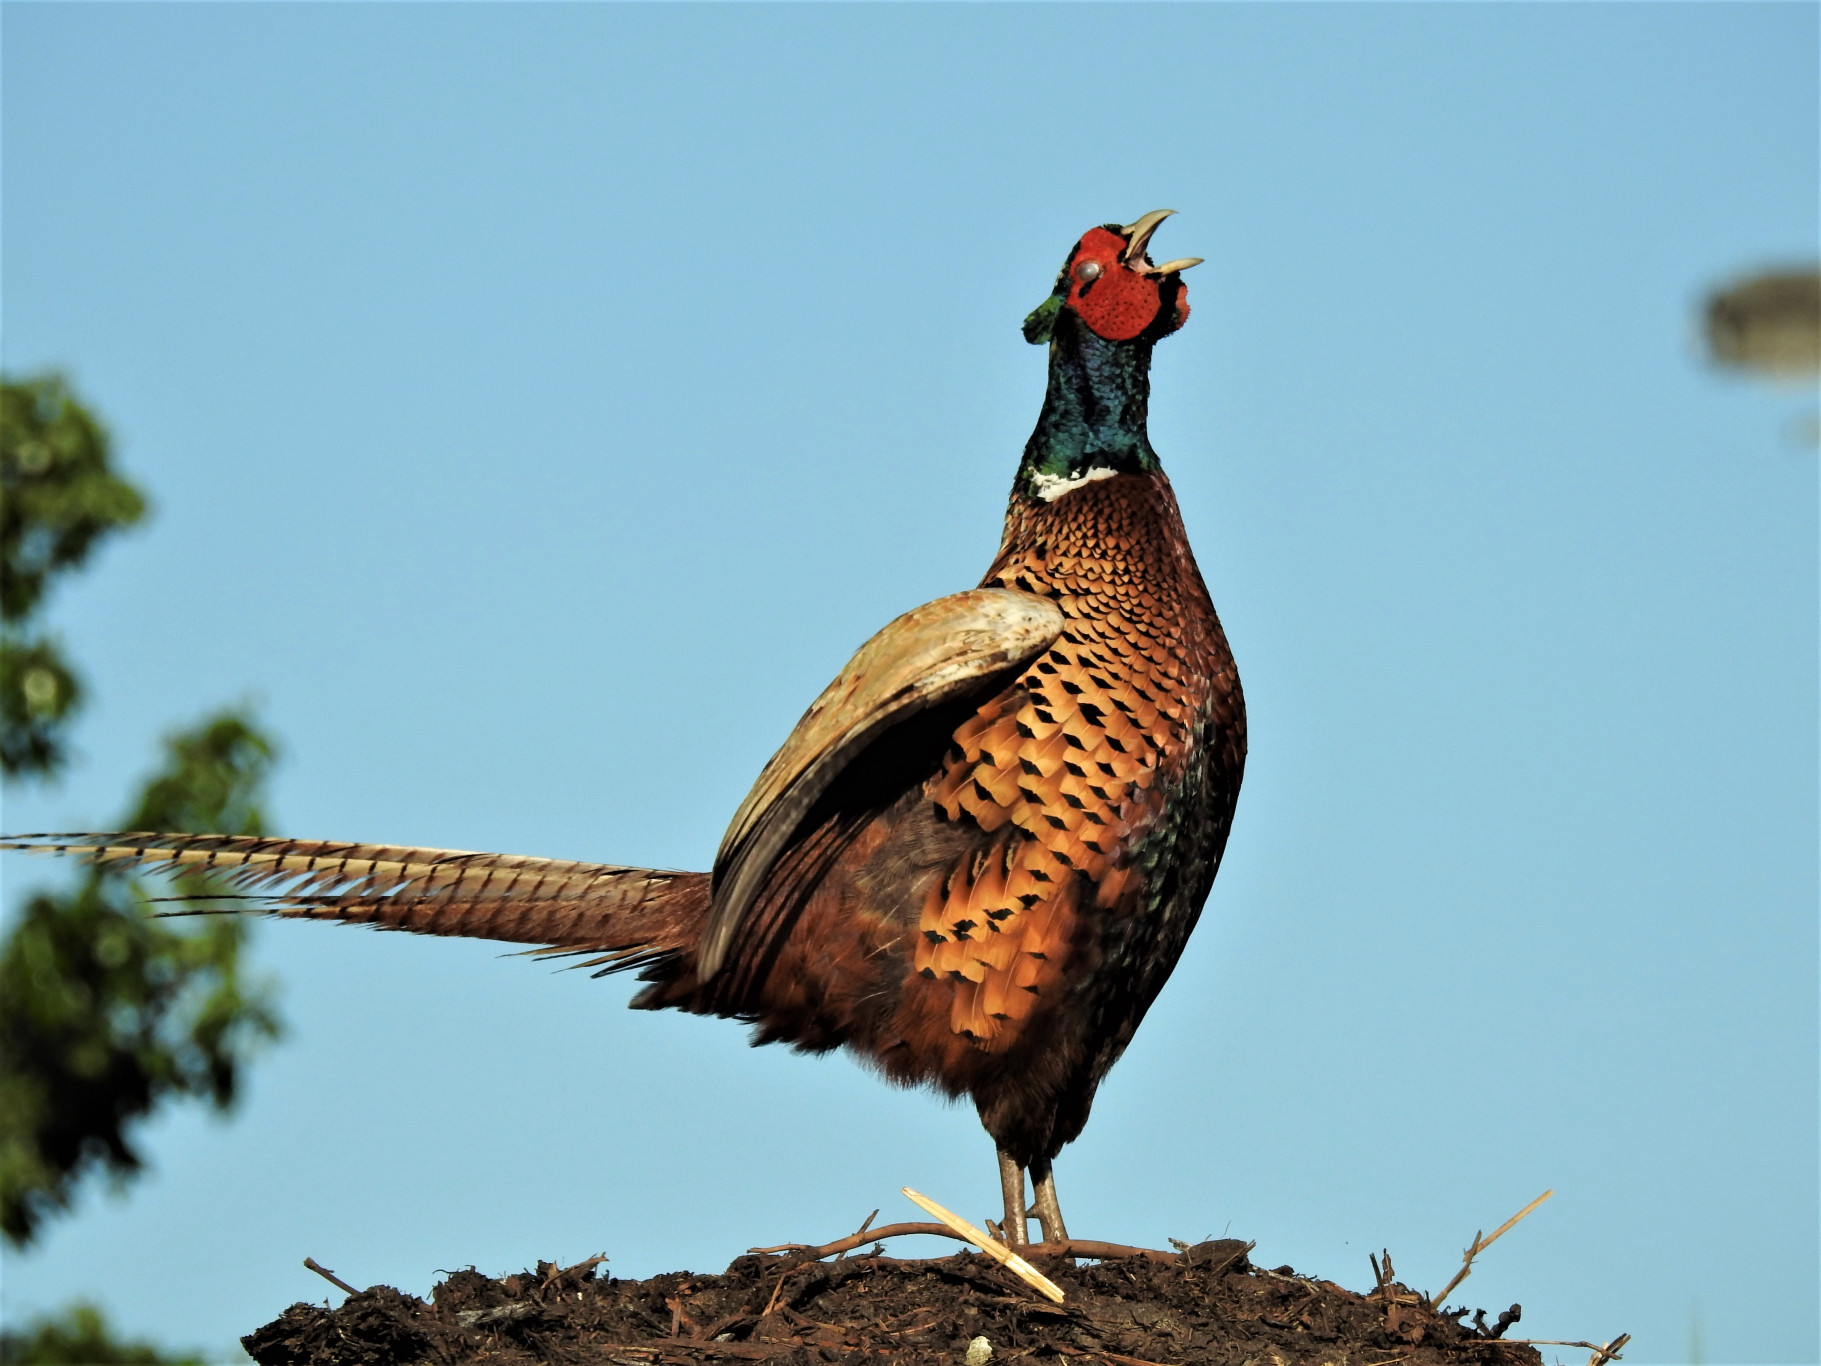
(1388, 1291)
(1072, 1247)
(556, 1270)
(750, 1351)
(778, 1289)
(911, 1327)
(680, 1319)
(330, 1276)
(1481, 1244)
(1087, 1247)
(1609, 1352)
(858, 1239)
(998, 1251)
(863, 1227)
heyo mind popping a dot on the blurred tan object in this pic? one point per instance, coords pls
(1768, 324)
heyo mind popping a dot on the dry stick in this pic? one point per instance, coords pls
(1610, 1352)
(1073, 1247)
(556, 1270)
(1087, 1247)
(998, 1251)
(1388, 1291)
(751, 1351)
(863, 1227)
(778, 1289)
(1385, 1275)
(330, 1276)
(858, 1239)
(1481, 1244)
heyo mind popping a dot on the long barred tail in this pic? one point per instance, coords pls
(629, 917)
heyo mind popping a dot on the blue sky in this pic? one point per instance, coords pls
(540, 402)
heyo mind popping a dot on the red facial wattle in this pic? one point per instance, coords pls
(1115, 300)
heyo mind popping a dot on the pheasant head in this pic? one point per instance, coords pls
(1111, 303)
(1110, 284)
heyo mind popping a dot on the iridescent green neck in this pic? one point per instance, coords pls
(1094, 411)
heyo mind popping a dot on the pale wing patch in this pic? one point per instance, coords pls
(927, 656)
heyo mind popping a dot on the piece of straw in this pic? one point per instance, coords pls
(993, 1248)
(1481, 1244)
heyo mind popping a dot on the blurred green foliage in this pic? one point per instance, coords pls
(106, 1010)
(37, 694)
(80, 1336)
(59, 497)
(61, 494)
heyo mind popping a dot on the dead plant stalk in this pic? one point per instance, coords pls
(998, 1251)
(1601, 1354)
(1481, 1243)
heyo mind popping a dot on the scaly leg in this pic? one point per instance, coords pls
(1011, 1185)
(1048, 1212)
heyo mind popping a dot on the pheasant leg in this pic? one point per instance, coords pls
(1011, 1185)
(1048, 1212)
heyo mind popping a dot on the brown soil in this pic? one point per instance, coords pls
(1206, 1305)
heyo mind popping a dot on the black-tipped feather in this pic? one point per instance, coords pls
(626, 913)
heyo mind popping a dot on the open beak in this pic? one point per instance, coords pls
(1138, 237)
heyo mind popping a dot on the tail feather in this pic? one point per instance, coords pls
(632, 916)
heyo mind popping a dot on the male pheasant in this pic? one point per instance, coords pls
(978, 856)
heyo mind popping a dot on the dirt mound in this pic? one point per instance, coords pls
(1206, 1305)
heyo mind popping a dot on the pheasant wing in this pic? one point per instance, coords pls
(591, 906)
(927, 656)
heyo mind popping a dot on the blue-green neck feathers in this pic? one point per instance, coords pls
(1093, 418)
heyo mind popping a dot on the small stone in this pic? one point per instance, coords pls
(979, 1352)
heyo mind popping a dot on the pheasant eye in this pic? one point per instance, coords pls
(1087, 271)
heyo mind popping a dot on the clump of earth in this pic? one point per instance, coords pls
(1205, 1304)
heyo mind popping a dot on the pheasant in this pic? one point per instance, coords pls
(978, 856)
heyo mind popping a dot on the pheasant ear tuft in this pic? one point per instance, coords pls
(1042, 320)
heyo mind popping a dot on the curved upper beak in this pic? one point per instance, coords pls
(1138, 237)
